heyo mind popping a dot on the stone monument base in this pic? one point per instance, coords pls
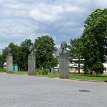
(9, 64)
(32, 73)
(64, 66)
(31, 65)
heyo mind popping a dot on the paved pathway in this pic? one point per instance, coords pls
(29, 91)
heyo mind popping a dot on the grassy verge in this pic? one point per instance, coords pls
(102, 78)
(50, 75)
(53, 75)
(21, 72)
(2, 70)
(89, 77)
(71, 76)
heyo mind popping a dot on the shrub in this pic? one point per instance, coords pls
(86, 70)
(2, 70)
(98, 68)
(42, 72)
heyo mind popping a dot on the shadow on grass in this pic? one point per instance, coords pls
(105, 81)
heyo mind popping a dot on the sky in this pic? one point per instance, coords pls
(63, 20)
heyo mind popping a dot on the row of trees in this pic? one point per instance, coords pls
(91, 46)
(44, 53)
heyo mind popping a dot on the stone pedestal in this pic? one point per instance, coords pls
(64, 65)
(31, 64)
(9, 64)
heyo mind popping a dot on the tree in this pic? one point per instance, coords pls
(23, 54)
(19, 53)
(15, 52)
(94, 42)
(3, 57)
(74, 49)
(75, 52)
(1, 62)
(44, 52)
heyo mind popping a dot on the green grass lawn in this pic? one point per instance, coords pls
(71, 76)
(2, 70)
(53, 75)
(80, 77)
(50, 75)
(89, 77)
(21, 72)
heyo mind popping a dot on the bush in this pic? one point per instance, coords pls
(98, 68)
(86, 70)
(42, 72)
(2, 70)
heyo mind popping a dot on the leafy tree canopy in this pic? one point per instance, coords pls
(94, 39)
(44, 52)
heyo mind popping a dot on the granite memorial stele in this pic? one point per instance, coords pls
(64, 61)
(31, 62)
(9, 61)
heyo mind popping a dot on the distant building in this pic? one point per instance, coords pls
(4, 65)
(105, 66)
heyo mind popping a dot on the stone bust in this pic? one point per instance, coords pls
(31, 49)
(9, 50)
(63, 47)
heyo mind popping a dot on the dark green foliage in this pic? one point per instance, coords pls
(74, 49)
(42, 72)
(2, 70)
(15, 52)
(94, 42)
(1, 61)
(19, 53)
(98, 67)
(3, 57)
(44, 52)
(75, 52)
(23, 54)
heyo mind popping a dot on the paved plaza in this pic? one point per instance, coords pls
(30, 91)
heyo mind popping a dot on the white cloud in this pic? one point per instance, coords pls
(51, 12)
(63, 19)
(101, 3)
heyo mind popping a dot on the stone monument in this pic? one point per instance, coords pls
(64, 61)
(31, 61)
(9, 61)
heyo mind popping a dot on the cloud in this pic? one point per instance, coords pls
(62, 19)
(50, 12)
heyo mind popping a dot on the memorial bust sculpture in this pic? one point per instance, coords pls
(64, 47)
(64, 61)
(31, 49)
(31, 61)
(9, 50)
